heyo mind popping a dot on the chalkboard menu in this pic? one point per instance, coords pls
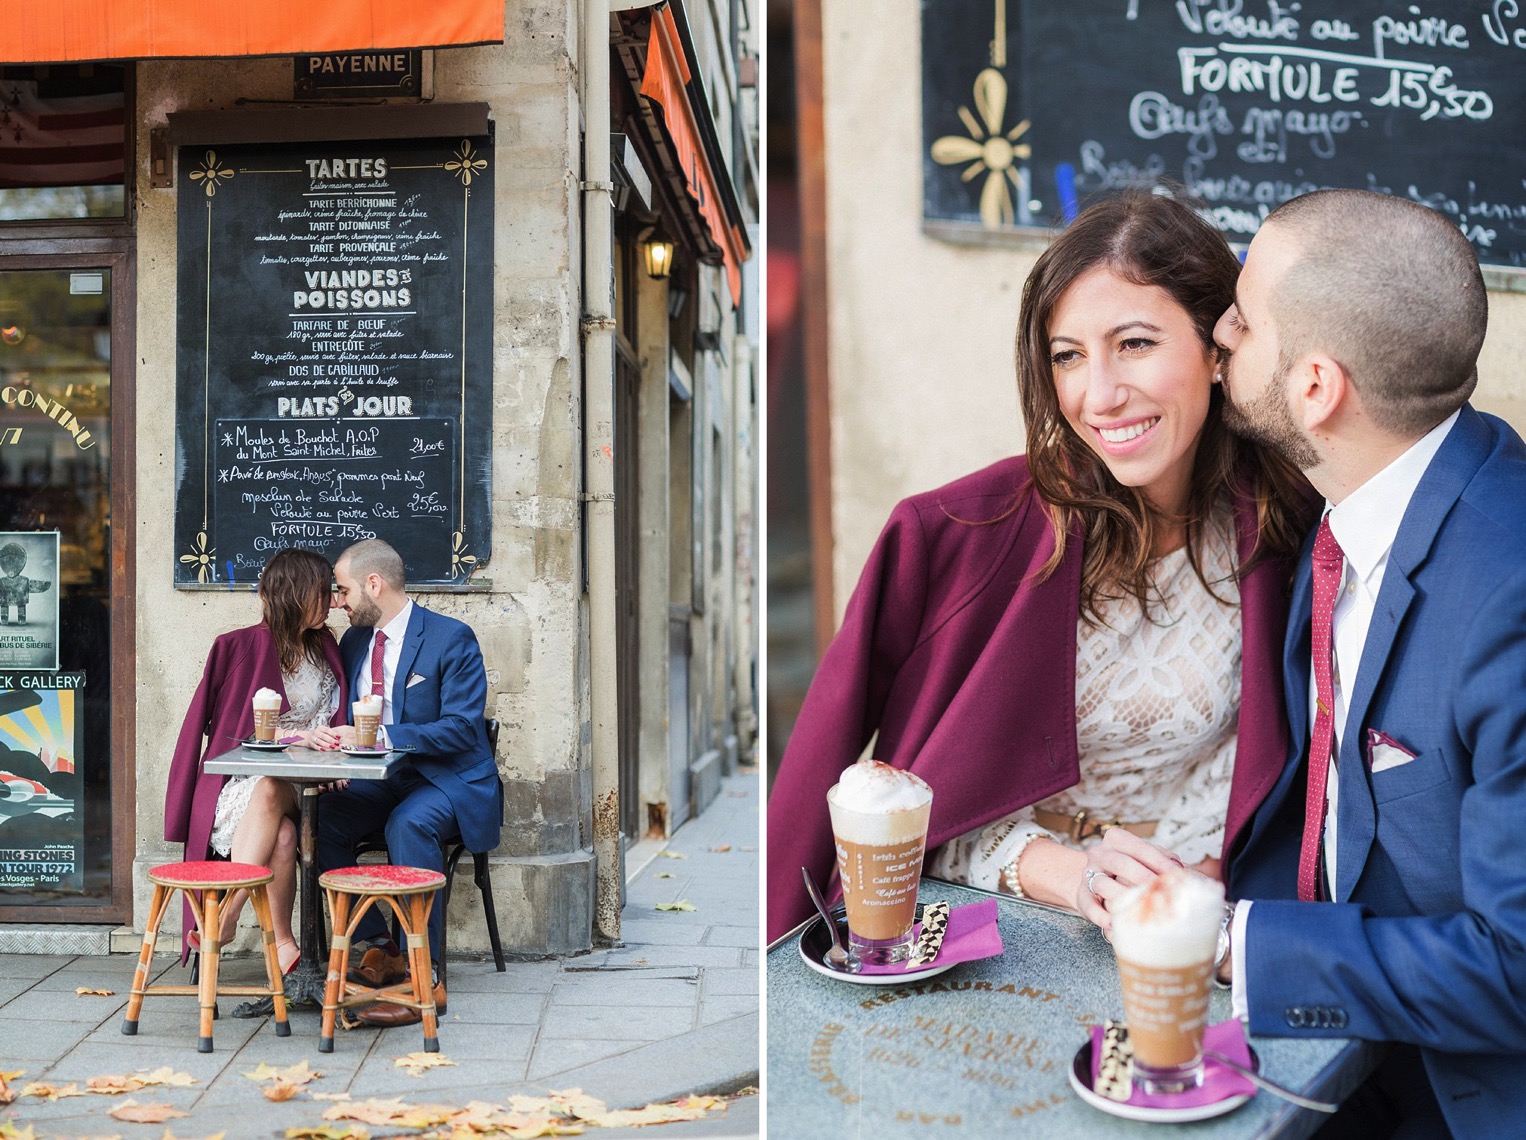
(1031, 107)
(334, 354)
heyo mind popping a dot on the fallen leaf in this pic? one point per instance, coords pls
(112, 1084)
(570, 1102)
(7, 1094)
(327, 1132)
(44, 1091)
(85, 991)
(9, 1131)
(666, 875)
(166, 1076)
(330, 1096)
(723, 847)
(280, 1090)
(135, 1113)
(298, 1074)
(393, 1111)
(690, 1108)
(671, 854)
(416, 1063)
(681, 904)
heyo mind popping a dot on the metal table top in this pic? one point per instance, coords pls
(985, 1048)
(301, 764)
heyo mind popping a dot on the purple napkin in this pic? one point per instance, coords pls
(1219, 1083)
(971, 935)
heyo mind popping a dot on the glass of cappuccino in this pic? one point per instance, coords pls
(1165, 935)
(879, 821)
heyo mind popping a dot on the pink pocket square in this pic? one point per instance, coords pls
(1384, 752)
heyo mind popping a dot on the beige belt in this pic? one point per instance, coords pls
(1085, 824)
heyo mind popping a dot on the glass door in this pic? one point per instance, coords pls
(57, 826)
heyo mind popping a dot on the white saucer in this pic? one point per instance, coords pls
(1081, 1080)
(264, 745)
(814, 944)
(365, 753)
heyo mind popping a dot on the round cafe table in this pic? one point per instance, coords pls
(307, 768)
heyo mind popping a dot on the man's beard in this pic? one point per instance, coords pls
(364, 612)
(1267, 420)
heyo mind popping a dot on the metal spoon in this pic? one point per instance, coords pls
(837, 958)
(1270, 1086)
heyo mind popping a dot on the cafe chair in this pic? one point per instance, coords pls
(205, 885)
(409, 892)
(376, 843)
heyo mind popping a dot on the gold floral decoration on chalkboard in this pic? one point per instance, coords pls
(460, 561)
(466, 165)
(988, 149)
(210, 172)
(200, 557)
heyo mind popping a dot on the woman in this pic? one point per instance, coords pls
(252, 819)
(1088, 633)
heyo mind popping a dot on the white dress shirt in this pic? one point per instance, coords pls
(1365, 524)
(392, 652)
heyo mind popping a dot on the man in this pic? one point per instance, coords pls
(1355, 337)
(428, 671)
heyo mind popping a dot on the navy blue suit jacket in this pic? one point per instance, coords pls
(1424, 941)
(439, 698)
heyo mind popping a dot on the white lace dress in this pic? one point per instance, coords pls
(1157, 704)
(310, 693)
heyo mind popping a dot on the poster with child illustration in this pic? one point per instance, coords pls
(29, 600)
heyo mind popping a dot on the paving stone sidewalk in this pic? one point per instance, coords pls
(671, 1012)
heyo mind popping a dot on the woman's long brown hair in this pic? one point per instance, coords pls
(1149, 239)
(294, 588)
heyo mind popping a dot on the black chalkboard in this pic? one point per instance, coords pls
(1247, 102)
(334, 354)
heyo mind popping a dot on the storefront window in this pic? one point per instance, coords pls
(63, 142)
(55, 587)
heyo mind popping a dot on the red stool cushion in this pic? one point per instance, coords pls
(211, 873)
(382, 879)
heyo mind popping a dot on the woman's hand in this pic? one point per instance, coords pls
(326, 738)
(1122, 860)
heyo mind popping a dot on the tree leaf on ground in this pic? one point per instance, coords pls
(280, 1090)
(8, 1094)
(327, 1132)
(113, 1083)
(416, 1063)
(330, 1096)
(666, 854)
(44, 1091)
(666, 875)
(298, 1074)
(394, 1112)
(722, 848)
(86, 991)
(10, 1131)
(681, 904)
(689, 1108)
(166, 1075)
(135, 1113)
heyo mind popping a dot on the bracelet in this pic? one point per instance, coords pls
(1008, 876)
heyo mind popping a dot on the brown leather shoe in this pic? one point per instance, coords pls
(378, 968)
(386, 1015)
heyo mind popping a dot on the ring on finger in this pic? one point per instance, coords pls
(1090, 878)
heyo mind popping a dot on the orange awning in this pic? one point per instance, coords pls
(57, 31)
(665, 82)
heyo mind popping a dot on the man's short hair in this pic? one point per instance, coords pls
(1392, 291)
(373, 556)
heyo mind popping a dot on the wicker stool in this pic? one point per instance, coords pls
(204, 885)
(410, 892)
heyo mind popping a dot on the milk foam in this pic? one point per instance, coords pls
(875, 803)
(1171, 921)
(267, 699)
(369, 704)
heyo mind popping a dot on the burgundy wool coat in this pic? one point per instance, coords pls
(220, 715)
(965, 666)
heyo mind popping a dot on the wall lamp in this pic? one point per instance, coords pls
(659, 258)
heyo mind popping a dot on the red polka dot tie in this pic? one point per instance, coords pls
(1328, 561)
(378, 649)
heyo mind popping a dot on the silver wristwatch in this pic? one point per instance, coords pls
(1221, 954)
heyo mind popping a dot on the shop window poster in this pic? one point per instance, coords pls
(29, 599)
(41, 824)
